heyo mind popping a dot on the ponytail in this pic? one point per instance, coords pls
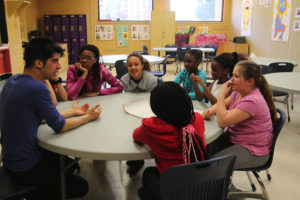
(193, 149)
(252, 70)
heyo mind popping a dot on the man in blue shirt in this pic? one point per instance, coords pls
(24, 103)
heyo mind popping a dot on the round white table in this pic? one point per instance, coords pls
(111, 59)
(109, 137)
(284, 81)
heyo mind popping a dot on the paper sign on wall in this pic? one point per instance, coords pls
(246, 17)
(140, 32)
(104, 32)
(122, 35)
(281, 20)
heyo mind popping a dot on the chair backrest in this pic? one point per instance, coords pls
(266, 69)
(203, 180)
(282, 67)
(180, 54)
(10, 189)
(276, 131)
(121, 68)
(171, 53)
(145, 50)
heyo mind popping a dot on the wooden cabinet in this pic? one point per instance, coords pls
(233, 47)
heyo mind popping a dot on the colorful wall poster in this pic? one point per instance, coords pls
(140, 32)
(246, 17)
(104, 32)
(122, 35)
(210, 40)
(281, 20)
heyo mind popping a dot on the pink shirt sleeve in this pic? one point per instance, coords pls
(115, 85)
(74, 83)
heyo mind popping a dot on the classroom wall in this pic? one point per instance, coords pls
(33, 16)
(90, 8)
(260, 39)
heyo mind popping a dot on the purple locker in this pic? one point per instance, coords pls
(74, 37)
(75, 50)
(82, 30)
(66, 38)
(48, 26)
(57, 28)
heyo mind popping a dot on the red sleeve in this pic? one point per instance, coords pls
(199, 125)
(139, 135)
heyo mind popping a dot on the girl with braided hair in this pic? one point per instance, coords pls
(221, 71)
(250, 115)
(175, 135)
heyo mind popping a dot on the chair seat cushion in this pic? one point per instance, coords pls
(277, 93)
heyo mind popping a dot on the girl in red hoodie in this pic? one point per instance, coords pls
(175, 135)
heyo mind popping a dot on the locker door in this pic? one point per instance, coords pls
(74, 37)
(66, 37)
(57, 28)
(82, 30)
(48, 26)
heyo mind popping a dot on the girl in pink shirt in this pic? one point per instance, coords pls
(250, 115)
(85, 78)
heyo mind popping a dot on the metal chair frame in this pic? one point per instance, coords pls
(264, 194)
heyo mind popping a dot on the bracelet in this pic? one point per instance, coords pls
(56, 82)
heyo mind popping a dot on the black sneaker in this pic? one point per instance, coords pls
(134, 166)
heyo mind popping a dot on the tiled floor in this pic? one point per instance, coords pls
(109, 180)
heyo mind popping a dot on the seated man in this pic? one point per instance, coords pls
(26, 102)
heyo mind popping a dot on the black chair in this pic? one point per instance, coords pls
(160, 74)
(205, 180)
(180, 58)
(209, 56)
(282, 67)
(10, 189)
(171, 54)
(121, 68)
(255, 170)
(144, 51)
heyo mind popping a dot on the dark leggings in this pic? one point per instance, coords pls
(46, 175)
(150, 181)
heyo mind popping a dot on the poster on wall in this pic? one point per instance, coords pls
(246, 17)
(281, 20)
(297, 13)
(122, 35)
(104, 32)
(140, 32)
(261, 2)
(296, 25)
(267, 3)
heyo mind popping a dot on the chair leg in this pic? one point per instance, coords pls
(251, 181)
(264, 191)
(286, 99)
(268, 175)
(292, 101)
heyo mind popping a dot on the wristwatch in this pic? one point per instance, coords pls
(56, 82)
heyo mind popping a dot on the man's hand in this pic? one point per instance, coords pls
(80, 110)
(94, 112)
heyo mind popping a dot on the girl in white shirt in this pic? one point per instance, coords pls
(221, 71)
